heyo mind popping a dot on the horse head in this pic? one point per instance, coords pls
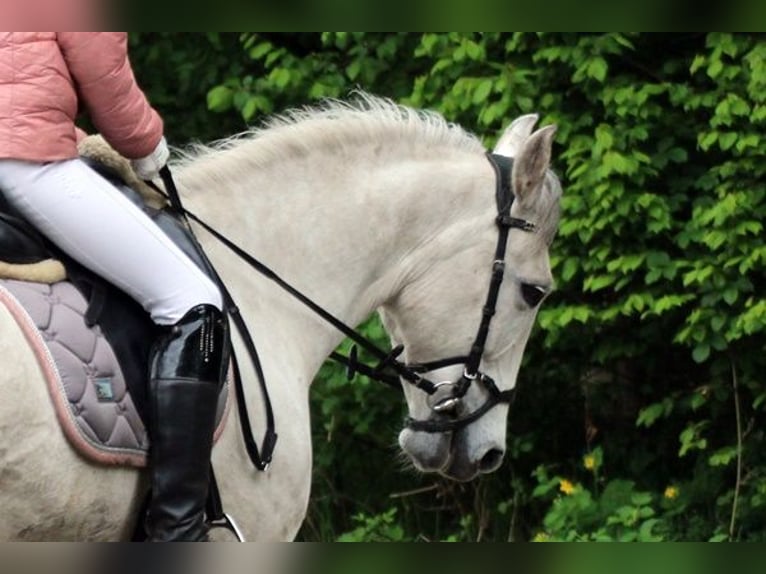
(438, 311)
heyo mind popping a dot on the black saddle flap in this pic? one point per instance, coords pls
(20, 242)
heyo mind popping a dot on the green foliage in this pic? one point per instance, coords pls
(289, 70)
(179, 71)
(659, 261)
(619, 513)
(380, 528)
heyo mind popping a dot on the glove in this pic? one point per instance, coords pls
(148, 168)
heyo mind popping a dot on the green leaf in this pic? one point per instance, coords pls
(571, 265)
(717, 322)
(604, 137)
(727, 140)
(597, 69)
(723, 456)
(565, 316)
(641, 498)
(219, 99)
(645, 533)
(701, 353)
(353, 69)
(649, 415)
(272, 58)
(617, 162)
(623, 41)
(260, 50)
(280, 77)
(677, 155)
(697, 400)
(707, 139)
(691, 439)
(428, 42)
(698, 62)
(597, 283)
(249, 109)
(714, 69)
(482, 91)
(474, 50)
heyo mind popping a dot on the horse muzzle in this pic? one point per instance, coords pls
(458, 455)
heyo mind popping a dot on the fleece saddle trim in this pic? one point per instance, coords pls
(45, 271)
(84, 379)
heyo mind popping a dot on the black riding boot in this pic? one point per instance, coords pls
(187, 369)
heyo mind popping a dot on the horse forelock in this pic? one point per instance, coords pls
(332, 125)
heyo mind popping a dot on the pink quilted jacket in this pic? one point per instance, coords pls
(43, 78)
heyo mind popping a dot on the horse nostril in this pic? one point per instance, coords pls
(491, 460)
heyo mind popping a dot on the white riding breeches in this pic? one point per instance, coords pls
(90, 220)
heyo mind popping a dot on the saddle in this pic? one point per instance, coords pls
(23, 254)
(108, 314)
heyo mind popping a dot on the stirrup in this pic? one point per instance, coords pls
(227, 522)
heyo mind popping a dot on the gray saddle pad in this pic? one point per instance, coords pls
(85, 380)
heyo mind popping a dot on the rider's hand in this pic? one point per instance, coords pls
(148, 168)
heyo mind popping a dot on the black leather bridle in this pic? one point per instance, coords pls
(444, 397)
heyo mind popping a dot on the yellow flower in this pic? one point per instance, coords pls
(671, 492)
(566, 487)
(589, 461)
(541, 537)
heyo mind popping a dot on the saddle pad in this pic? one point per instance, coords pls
(85, 381)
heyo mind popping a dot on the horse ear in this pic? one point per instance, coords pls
(515, 135)
(532, 162)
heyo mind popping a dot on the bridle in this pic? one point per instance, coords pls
(444, 397)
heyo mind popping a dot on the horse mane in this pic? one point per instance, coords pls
(342, 127)
(332, 125)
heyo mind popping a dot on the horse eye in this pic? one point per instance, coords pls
(532, 294)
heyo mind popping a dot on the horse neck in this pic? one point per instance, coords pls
(349, 234)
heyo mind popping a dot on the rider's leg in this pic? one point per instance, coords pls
(84, 215)
(187, 370)
(96, 225)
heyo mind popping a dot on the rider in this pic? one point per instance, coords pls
(44, 76)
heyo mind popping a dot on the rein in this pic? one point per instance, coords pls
(260, 457)
(446, 395)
